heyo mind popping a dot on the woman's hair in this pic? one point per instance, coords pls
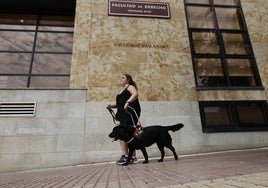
(130, 80)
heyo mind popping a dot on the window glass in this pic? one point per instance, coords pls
(18, 63)
(35, 48)
(58, 22)
(251, 114)
(13, 81)
(235, 44)
(17, 27)
(228, 18)
(15, 40)
(54, 42)
(18, 20)
(54, 28)
(198, 1)
(205, 42)
(217, 115)
(49, 82)
(244, 76)
(216, 2)
(200, 17)
(209, 72)
(52, 64)
(226, 2)
(208, 67)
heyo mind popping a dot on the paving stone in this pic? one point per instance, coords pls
(231, 169)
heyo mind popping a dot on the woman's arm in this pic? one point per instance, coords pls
(133, 97)
(134, 94)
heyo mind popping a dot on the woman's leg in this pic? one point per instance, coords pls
(124, 147)
(126, 120)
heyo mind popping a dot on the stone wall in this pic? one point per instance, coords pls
(103, 51)
(53, 137)
(67, 130)
(256, 16)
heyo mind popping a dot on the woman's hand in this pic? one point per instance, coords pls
(109, 106)
(126, 105)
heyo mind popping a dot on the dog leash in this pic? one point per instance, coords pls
(113, 115)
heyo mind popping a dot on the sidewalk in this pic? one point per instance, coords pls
(231, 169)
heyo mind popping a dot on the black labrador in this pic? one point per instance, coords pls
(148, 136)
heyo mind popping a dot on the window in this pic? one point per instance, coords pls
(221, 50)
(230, 116)
(35, 50)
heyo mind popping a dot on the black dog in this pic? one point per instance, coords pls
(149, 135)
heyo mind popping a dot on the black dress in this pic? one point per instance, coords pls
(122, 115)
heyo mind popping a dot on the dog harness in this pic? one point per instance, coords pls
(130, 140)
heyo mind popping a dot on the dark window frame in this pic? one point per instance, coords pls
(236, 125)
(222, 56)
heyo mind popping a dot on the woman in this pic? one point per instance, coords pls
(126, 101)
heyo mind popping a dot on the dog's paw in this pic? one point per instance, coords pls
(176, 158)
(145, 162)
(160, 160)
(124, 164)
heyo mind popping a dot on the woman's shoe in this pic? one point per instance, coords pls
(122, 160)
(133, 160)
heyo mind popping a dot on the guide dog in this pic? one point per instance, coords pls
(148, 136)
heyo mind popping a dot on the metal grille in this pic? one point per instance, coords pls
(17, 109)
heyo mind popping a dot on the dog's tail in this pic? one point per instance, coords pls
(174, 127)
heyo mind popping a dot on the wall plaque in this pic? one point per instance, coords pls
(138, 9)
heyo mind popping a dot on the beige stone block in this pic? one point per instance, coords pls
(83, 8)
(99, 8)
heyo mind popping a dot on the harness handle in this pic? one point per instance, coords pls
(138, 123)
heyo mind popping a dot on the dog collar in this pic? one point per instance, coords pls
(130, 140)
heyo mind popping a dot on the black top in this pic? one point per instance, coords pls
(121, 114)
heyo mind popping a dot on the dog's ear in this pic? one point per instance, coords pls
(114, 132)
